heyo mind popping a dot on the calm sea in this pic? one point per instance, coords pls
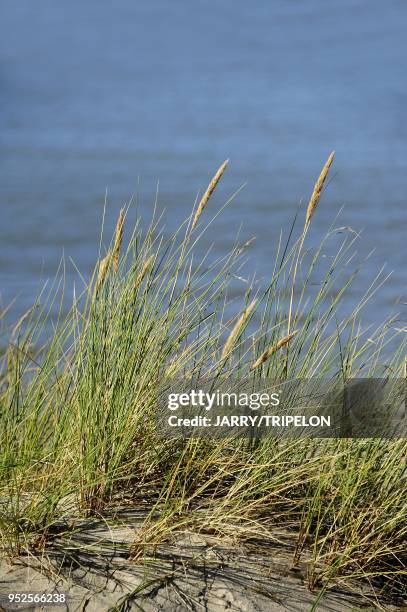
(118, 96)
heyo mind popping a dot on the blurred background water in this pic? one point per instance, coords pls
(116, 96)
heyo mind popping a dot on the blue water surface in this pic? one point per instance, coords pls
(116, 96)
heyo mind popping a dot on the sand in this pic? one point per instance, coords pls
(192, 572)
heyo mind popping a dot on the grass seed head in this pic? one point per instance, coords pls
(230, 342)
(118, 237)
(208, 193)
(104, 265)
(272, 349)
(316, 194)
(144, 271)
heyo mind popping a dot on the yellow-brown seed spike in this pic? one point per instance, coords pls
(10, 359)
(118, 237)
(208, 193)
(103, 270)
(236, 330)
(316, 194)
(144, 270)
(273, 349)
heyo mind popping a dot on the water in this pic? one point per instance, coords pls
(100, 95)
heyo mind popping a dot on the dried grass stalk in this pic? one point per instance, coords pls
(118, 237)
(273, 349)
(208, 193)
(144, 270)
(245, 246)
(103, 270)
(316, 194)
(230, 342)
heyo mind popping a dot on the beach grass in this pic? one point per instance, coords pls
(78, 397)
